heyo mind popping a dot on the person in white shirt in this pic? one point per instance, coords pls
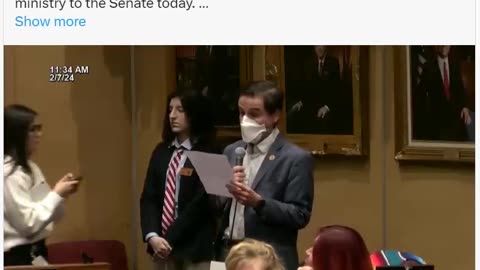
(30, 206)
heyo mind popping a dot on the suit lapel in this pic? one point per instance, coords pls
(164, 161)
(161, 171)
(268, 163)
(187, 185)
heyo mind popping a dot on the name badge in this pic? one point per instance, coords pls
(186, 172)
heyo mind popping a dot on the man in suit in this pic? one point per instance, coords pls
(273, 189)
(321, 94)
(446, 109)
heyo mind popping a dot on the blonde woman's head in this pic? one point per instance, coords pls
(253, 255)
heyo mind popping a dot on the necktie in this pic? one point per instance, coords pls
(446, 83)
(168, 215)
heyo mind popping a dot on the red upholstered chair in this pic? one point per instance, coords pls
(109, 251)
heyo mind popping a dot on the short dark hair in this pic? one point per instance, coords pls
(199, 114)
(17, 120)
(272, 97)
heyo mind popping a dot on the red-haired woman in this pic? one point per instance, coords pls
(340, 248)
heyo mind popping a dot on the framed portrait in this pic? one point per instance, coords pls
(435, 103)
(218, 72)
(325, 102)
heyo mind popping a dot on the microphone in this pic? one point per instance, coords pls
(239, 155)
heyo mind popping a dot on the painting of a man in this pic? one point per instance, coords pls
(318, 89)
(440, 110)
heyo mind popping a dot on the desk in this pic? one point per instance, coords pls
(91, 266)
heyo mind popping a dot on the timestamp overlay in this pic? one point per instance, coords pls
(65, 73)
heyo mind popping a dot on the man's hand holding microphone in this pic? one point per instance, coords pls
(239, 187)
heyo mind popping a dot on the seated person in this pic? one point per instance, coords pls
(253, 255)
(340, 248)
(307, 263)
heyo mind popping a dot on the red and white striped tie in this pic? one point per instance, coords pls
(168, 215)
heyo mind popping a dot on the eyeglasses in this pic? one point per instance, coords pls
(36, 128)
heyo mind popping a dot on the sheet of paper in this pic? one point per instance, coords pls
(214, 265)
(214, 171)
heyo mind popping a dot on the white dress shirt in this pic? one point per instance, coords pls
(441, 62)
(320, 65)
(252, 162)
(186, 145)
(30, 207)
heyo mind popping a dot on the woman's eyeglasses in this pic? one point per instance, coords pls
(36, 128)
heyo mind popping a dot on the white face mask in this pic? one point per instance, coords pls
(251, 130)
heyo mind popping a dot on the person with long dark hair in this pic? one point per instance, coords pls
(30, 206)
(177, 215)
(340, 248)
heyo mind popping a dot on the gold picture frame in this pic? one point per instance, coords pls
(408, 148)
(353, 144)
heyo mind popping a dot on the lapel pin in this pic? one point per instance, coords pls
(272, 157)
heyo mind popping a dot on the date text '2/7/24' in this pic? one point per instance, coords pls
(67, 73)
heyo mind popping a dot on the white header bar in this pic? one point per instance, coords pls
(240, 22)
